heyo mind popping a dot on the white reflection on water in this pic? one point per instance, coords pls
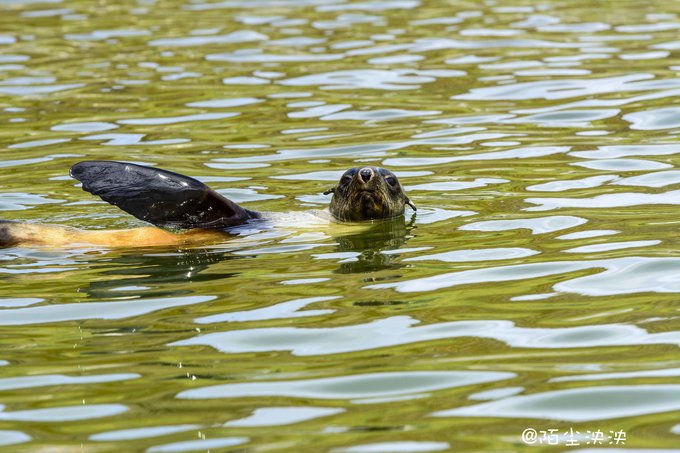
(178, 119)
(399, 330)
(203, 444)
(665, 118)
(432, 215)
(616, 151)
(377, 115)
(21, 201)
(627, 275)
(622, 165)
(445, 186)
(284, 310)
(669, 372)
(654, 179)
(612, 200)
(131, 139)
(224, 103)
(9, 437)
(101, 35)
(579, 404)
(594, 248)
(570, 118)
(257, 56)
(141, 433)
(22, 382)
(405, 446)
(537, 225)
(36, 143)
(564, 88)
(65, 413)
(381, 5)
(517, 153)
(489, 254)
(94, 310)
(233, 37)
(27, 90)
(90, 126)
(278, 416)
(352, 386)
(377, 79)
(587, 234)
(572, 184)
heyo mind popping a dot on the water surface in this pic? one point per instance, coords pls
(536, 286)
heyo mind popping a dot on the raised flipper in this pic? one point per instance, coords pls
(160, 197)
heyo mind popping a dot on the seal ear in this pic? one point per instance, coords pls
(160, 197)
(329, 191)
(410, 203)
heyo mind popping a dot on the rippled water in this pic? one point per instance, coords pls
(536, 286)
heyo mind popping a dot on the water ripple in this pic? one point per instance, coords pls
(9, 437)
(654, 179)
(614, 200)
(350, 387)
(617, 151)
(665, 118)
(621, 276)
(623, 165)
(65, 414)
(22, 382)
(141, 433)
(472, 255)
(559, 89)
(178, 119)
(279, 416)
(202, 444)
(612, 246)
(405, 446)
(93, 310)
(284, 310)
(577, 405)
(377, 79)
(516, 153)
(672, 372)
(537, 225)
(234, 37)
(401, 330)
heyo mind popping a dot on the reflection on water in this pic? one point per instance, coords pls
(399, 330)
(537, 280)
(357, 386)
(582, 404)
(360, 253)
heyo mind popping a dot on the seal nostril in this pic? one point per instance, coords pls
(366, 174)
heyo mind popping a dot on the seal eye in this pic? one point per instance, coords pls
(391, 180)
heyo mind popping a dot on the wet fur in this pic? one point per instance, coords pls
(354, 199)
(381, 197)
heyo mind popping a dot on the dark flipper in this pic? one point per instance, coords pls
(160, 197)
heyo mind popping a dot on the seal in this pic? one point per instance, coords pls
(368, 193)
(186, 211)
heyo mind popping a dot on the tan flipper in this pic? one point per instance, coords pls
(18, 233)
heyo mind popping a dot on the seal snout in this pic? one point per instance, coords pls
(367, 193)
(366, 174)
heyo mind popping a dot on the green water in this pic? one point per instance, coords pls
(536, 286)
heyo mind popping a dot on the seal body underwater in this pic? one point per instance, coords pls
(185, 211)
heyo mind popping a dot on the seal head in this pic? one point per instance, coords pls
(368, 193)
